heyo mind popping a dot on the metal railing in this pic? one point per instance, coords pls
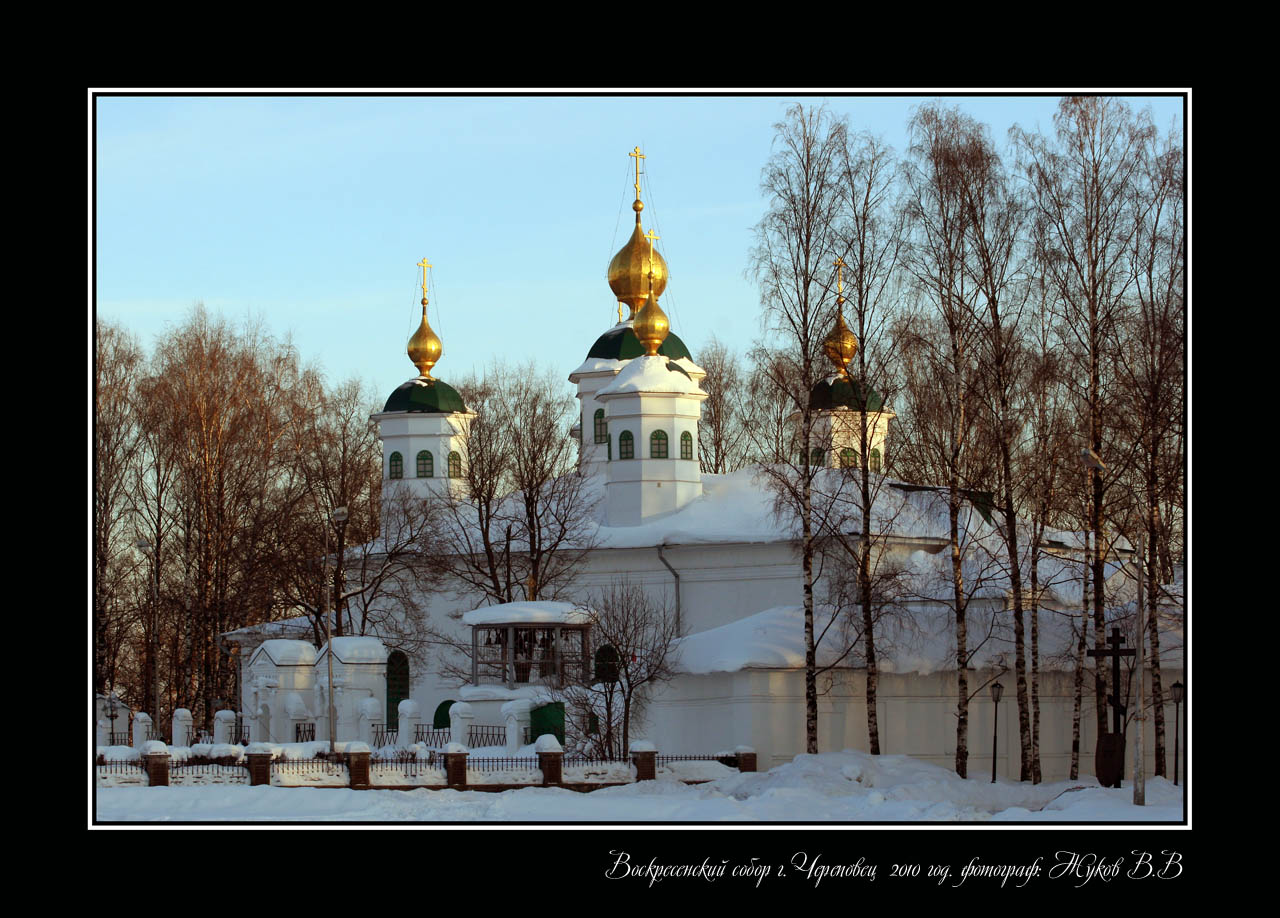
(432, 736)
(480, 735)
(315, 765)
(230, 771)
(304, 733)
(731, 760)
(118, 739)
(385, 735)
(407, 764)
(128, 767)
(492, 766)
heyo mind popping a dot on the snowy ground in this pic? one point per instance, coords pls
(838, 787)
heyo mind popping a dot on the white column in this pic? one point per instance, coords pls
(141, 725)
(182, 721)
(224, 722)
(410, 717)
(460, 717)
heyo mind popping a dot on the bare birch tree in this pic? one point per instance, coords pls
(797, 242)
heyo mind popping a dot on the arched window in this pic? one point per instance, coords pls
(686, 445)
(397, 685)
(848, 458)
(455, 465)
(626, 445)
(816, 456)
(397, 465)
(440, 721)
(875, 460)
(426, 465)
(602, 430)
(658, 445)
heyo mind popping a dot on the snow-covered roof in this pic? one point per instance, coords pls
(774, 639)
(357, 650)
(297, 626)
(286, 653)
(650, 374)
(520, 613)
(597, 365)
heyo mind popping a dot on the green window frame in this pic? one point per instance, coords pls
(848, 458)
(686, 445)
(455, 465)
(396, 466)
(817, 457)
(426, 464)
(875, 460)
(658, 444)
(626, 445)
(601, 428)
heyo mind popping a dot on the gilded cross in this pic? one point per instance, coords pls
(424, 264)
(839, 263)
(638, 156)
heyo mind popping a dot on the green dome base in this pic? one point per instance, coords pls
(838, 392)
(436, 397)
(622, 344)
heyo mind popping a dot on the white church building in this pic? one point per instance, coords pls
(712, 548)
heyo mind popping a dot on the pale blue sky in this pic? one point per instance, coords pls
(313, 211)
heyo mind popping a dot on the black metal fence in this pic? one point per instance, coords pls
(488, 766)
(202, 770)
(119, 739)
(480, 735)
(588, 759)
(385, 735)
(407, 765)
(730, 759)
(437, 737)
(133, 767)
(316, 765)
(304, 733)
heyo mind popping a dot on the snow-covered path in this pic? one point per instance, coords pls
(837, 787)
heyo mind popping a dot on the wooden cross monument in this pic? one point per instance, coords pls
(1115, 653)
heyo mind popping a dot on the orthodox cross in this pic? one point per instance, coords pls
(424, 264)
(651, 235)
(839, 263)
(1115, 653)
(638, 156)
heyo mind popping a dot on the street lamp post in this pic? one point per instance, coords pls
(1175, 692)
(113, 708)
(1089, 459)
(996, 691)
(145, 547)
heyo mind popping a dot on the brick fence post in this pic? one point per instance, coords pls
(746, 758)
(455, 765)
(156, 759)
(358, 765)
(644, 756)
(259, 756)
(550, 758)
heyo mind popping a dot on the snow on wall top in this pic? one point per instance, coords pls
(358, 650)
(516, 613)
(287, 653)
(650, 374)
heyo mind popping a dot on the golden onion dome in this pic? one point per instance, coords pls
(651, 325)
(425, 349)
(629, 269)
(841, 345)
